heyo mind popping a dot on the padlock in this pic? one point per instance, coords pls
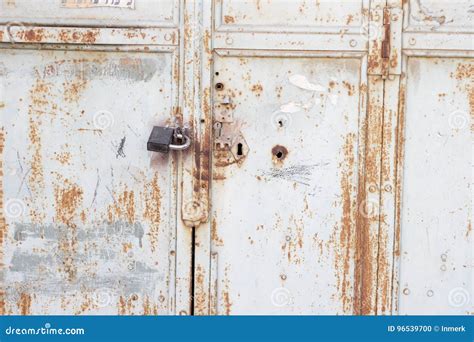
(160, 139)
(164, 139)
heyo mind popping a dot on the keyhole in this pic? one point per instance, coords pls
(239, 149)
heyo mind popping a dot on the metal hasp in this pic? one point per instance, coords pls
(164, 139)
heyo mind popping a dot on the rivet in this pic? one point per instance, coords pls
(168, 37)
(430, 293)
(172, 252)
(444, 257)
(353, 43)
(134, 296)
(283, 277)
(376, 17)
(406, 291)
(388, 188)
(372, 188)
(288, 238)
(229, 41)
(161, 298)
(183, 313)
(394, 17)
(412, 41)
(443, 268)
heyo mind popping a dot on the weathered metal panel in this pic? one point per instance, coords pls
(284, 215)
(436, 270)
(89, 215)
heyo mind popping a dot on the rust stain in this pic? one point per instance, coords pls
(279, 154)
(293, 246)
(257, 89)
(74, 89)
(344, 231)
(228, 19)
(349, 19)
(68, 200)
(24, 304)
(200, 303)
(63, 157)
(350, 88)
(76, 36)
(126, 246)
(33, 35)
(214, 236)
(123, 207)
(149, 308)
(152, 201)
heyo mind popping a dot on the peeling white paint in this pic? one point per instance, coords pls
(302, 82)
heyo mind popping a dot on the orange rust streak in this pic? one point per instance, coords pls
(152, 201)
(24, 304)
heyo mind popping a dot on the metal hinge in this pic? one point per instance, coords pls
(385, 47)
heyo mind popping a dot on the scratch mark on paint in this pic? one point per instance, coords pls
(120, 152)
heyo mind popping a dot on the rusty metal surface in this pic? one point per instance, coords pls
(328, 174)
(436, 217)
(88, 222)
(292, 226)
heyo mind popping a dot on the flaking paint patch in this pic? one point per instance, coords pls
(123, 207)
(68, 201)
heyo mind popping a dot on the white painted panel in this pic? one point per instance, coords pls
(290, 13)
(440, 15)
(436, 270)
(284, 228)
(89, 212)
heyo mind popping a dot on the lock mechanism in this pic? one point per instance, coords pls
(164, 139)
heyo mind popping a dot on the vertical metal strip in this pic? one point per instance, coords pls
(203, 233)
(387, 196)
(387, 237)
(369, 197)
(183, 299)
(214, 301)
(398, 177)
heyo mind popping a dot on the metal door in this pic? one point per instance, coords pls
(328, 174)
(290, 92)
(89, 216)
(309, 212)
